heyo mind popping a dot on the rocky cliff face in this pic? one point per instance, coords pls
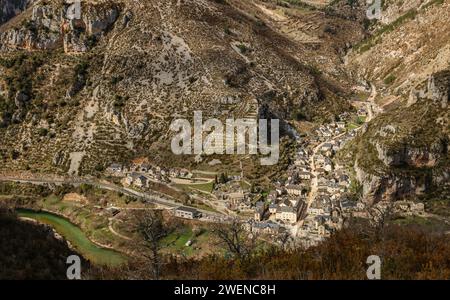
(392, 187)
(50, 26)
(436, 89)
(400, 184)
(404, 152)
(11, 8)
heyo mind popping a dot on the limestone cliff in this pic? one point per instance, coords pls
(49, 26)
(404, 152)
(11, 8)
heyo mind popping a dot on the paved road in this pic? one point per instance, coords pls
(314, 180)
(151, 198)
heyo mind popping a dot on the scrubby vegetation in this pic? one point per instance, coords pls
(20, 70)
(386, 29)
(343, 256)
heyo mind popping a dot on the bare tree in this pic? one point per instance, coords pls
(284, 239)
(234, 237)
(379, 215)
(151, 227)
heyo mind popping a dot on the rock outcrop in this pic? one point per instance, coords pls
(391, 186)
(437, 89)
(148, 62)
(11, 8)
(50, 27)
(406, 150)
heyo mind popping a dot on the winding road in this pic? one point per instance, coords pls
(151, 198)
(372, 108)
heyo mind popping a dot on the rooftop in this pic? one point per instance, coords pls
(188, 209)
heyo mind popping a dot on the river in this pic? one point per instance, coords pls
(72, 233)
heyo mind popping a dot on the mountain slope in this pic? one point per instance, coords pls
(105, 88)
(404, 151)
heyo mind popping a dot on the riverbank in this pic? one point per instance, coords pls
(91, 251)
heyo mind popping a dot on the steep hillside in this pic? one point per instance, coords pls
(11, 8)
(77, 95)
(409, 44)
(404, 151)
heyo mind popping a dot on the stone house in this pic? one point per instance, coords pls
(187, 213)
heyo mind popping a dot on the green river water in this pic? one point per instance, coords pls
(76, 237)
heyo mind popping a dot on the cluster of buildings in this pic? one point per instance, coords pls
(325, 132)
(264, 228)
(312, 176)
(233, 195)
(324, 216)
(362, 112)
(139, 175)
(285, 205)
(238, 201)
(330, 204)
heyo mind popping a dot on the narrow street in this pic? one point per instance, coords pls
(372, 111)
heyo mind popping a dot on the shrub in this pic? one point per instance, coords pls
(244, 49)
(43, 131)
(390, 79)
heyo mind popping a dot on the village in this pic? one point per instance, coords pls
(309, 205)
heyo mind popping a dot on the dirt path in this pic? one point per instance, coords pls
(113, 231)
(372, 108)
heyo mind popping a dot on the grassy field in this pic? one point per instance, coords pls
(203, 175)
(204, 187)
(204, 207)
(351, 126)
(176, 241)
(356, 122)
